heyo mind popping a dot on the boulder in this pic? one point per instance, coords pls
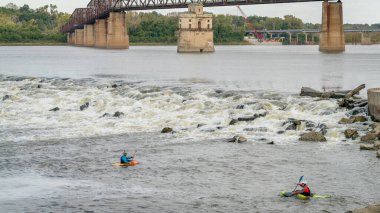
(6, 97)
(271, 143)
(167, 130)
(200, 125)
(54, 109)
(376, 145)
(240, 106)
(376, 127)
(39, 86)
(313, 136)
(366, 147)
(346, 121)
(351, 133)
(359, 118)
(118, 114)
(106, 115)
(374, 208)
(369, 137)
(84, 106)
(378, 154)
(233, 122)
(114, 86)
(353, 119)
(238, 139)
(280, 132)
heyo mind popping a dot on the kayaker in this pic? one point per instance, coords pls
(305, 189)
(125, 158)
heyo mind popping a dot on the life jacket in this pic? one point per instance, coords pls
(306, 191)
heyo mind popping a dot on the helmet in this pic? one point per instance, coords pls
(303, 182)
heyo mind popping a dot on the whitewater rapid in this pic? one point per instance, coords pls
(193, 112)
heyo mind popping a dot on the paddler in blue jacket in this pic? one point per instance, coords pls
(125, 158)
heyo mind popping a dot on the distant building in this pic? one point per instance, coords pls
(195, 30)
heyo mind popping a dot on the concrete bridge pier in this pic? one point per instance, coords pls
(332, 34)
(100, 33)
(89, 37)
(79, 37)
(374, 103)
(366, 38)
(71, 38)
(117, 35)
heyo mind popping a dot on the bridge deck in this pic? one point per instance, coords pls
(99, 9)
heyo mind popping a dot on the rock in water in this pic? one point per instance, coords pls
(374, 208)
(84, 106)
(346, 121)
(54, 109)
(167, 130)
(238, 139)
(313, 136)
(377, 145)
(118, 114)
(378, 154)
(106, 115)
(6, 97)
(351, 133)
(233, 122)
(366, 147)
(369, 137)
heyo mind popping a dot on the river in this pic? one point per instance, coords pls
(61, 160)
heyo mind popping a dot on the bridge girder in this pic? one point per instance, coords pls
(99, 9)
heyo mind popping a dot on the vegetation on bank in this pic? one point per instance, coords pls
(26, 25)
(23, 25)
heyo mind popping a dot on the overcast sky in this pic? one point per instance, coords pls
(355, 11)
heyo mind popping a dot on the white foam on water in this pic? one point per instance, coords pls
(26, 116)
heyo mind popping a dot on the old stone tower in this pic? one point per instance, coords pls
(195, 30)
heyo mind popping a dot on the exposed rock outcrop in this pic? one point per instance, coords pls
(351, 133)
(369, 137)
(238, 139)
(118, 114)
(366, 147)
(313, 136)
(84, 106)
(167, 130)
(54, 109)
(373, 208)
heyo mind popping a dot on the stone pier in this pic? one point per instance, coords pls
(100, 33)
(79, 37)
(71, 38)
(89, 36)
(195, 32)
(117, 35)
(332, 34)
(366, 38)
(374, 103)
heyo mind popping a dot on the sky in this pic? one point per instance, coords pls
(355, 11)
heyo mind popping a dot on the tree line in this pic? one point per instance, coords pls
(24, 24)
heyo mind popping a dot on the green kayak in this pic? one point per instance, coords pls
(303, 197)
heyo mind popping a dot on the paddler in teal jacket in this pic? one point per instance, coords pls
(125, 158)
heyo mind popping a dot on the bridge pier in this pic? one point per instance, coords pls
(71, 38)
(79, 37)
(89, 37)
(100, 33)
(366, 38)
(374, 103)
(117, 35)
(195, 30)
(332, 34)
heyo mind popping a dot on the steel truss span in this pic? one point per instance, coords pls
(100, 9)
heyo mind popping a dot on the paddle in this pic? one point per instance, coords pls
(298, 183)
(134, 153)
